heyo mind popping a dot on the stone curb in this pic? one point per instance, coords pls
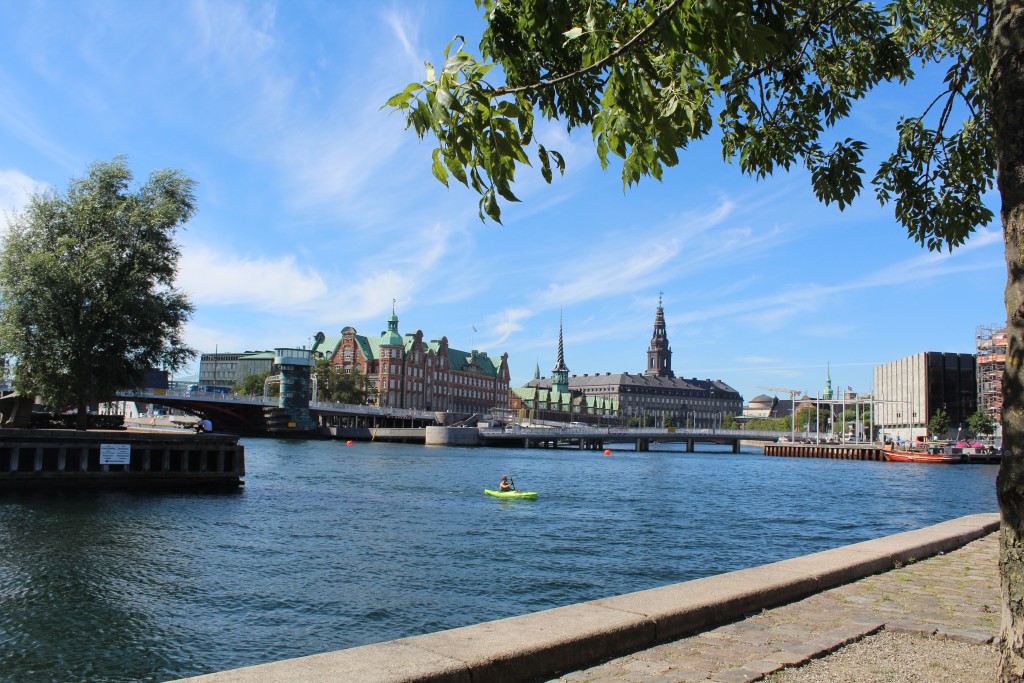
(543, 645)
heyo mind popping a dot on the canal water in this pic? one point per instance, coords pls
(331, 546)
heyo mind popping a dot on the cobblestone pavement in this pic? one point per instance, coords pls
(952, 596)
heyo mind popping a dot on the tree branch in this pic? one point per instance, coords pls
(598, 65)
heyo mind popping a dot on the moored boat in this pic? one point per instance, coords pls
(922, 456)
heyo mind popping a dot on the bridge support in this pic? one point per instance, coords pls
(295, 365)
(689, 445)
(736, 446)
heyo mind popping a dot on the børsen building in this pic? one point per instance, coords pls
(406, 372)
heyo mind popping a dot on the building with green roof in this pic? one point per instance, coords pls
(556, 401)
(405, 371)
(656, 395)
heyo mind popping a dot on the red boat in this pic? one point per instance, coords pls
(922, 456)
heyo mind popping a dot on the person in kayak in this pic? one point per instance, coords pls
(504, 485)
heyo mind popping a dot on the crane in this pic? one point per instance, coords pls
(793, 393)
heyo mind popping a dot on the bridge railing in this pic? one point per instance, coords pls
(271, 401)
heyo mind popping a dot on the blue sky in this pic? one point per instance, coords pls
(317, 209)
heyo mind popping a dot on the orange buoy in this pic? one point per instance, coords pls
(607, 452)
(348, 443)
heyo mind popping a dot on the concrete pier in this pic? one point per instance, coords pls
(53, 458)
(547, 644)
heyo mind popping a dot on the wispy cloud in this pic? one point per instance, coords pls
(18, 118)
(280, 285)
(505, 323)
(15, 189)
(403, 26)
(232, 35)
(213, 277)
(799, 301)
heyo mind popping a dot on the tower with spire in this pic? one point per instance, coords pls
(659, 355)
(560, 373)
(827, 394)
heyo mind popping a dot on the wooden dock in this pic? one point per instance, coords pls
(136, 460)
(848, 451)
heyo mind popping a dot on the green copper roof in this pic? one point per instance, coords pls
(389, 338)
(258, 355)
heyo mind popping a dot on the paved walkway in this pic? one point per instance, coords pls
(954, 596)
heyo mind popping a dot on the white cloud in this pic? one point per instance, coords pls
(232, 34)
(760, 360)
(404, 26)
(213, 277)
(505, 323)
(280, 286)
(15, 189)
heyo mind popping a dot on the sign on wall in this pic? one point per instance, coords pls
(115, 453)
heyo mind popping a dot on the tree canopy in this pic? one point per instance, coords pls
(981, 424)
(939, 423)
(334, 383)
(774, 80)
(253, 385)
(87, 297)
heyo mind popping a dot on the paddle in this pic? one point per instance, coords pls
(513, 482)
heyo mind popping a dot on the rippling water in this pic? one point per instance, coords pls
(331, 546)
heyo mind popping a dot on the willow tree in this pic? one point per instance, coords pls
(774, 80)
(87, 297)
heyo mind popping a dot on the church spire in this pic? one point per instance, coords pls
(560, 373)
(827, 394)
(659, 355)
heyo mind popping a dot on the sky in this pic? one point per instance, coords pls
(317, 209)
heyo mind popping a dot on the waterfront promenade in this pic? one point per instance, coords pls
(949, 597)
(730, 628)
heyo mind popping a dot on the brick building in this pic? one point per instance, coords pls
(406, 372)
(654, 395)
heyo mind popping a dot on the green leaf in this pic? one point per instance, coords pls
(489, 207)
(456, 169)
(457, 62)
(572, 34)
(438, 169)
(545, 163)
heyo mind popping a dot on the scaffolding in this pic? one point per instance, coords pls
(991, 344)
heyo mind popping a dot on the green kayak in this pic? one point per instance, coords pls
(528, 495)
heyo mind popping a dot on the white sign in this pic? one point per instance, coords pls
(115, 453)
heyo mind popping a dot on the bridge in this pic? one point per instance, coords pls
(257, 415)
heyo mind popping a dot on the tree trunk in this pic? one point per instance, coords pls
(1007, 105)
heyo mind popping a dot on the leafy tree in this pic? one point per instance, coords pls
(668, 421)
(811, 416)
(87, 298)
(981, 424)
(940, 422)
(253, 385)
(729, 422)
(774, 80)
(344, 386)
(773, 424)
